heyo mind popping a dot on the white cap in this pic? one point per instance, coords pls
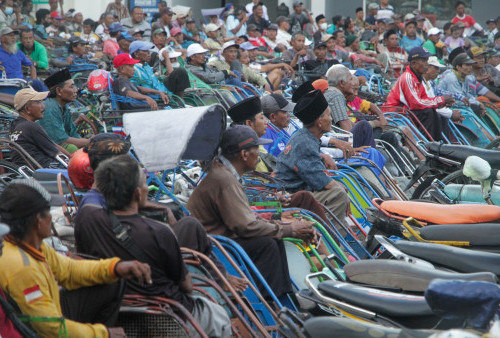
(409, 16)
(433, 31)
(433, 61)
(195, 48)
(172, 53)
(229, 44)
(211, 27)
(308, 42)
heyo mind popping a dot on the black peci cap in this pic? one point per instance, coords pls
(245, 109)
(302, 90)
(310, 107)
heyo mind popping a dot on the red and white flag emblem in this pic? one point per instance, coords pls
(32, 294)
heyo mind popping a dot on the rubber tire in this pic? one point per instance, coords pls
(419, 193)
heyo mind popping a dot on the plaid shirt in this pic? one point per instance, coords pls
(470, 88)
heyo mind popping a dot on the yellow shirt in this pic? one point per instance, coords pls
(261, 166)
(32, 279)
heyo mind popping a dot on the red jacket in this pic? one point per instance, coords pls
(410, 92)
(7, 328)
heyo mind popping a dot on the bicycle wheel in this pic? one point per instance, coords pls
(8, 172)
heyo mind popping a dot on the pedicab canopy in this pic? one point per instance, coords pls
(164, 137)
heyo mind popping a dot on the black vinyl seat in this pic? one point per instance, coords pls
(403, 275)
(382, 302)
(458, 259)
(460, 153)
(480, 234)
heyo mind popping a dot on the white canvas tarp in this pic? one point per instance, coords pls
(164, 137)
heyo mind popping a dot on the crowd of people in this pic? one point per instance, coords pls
(168, 53)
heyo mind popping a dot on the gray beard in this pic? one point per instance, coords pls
(11, 49)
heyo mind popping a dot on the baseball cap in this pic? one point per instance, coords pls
(273, 102)
(420, 18)
(172, 53)
(461, 59)
(56, 15)
(211, 27)
(229, 44)
(28, 94)
(248, 46)
(140, 45)
(418, 53)
(349, 39)
(159, 31)
(409, 17)
(372, 6)
(176, 30)
(125, 36)
(7, 30)
(195, 48)
(167, 10)
(4, 229)
(116, 27)
(297, 3)
(320, 44)
(490, 20)
(25, 197)
(433, 31)
(433, 61)
(124, 59)
(476, 51)
(75, 40)
(240, 137)
(326, 37)
(460, 24)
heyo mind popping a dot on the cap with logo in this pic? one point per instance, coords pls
(25, 95)
(477, 51)
(125, 36)
(175, 30)
(116, 27)
(274, 102)
(434, 31)
(159, 31)
(418, 53)
(75, 40)
(320, 44)
(248, 46)
(195, 48)
(245, 109)
(240, 137)
(124, 59)
(310, 107)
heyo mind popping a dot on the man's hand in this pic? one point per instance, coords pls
(134, 270)
(245, 19)
(456, 116)
(466, 101)
(302, 52)
(346, 147)
(152, 103)
(284, 198)
(164, 97)
(303, 230)
(287, 68)
(449, 100)
(328, 161)
(359, 150)
(116, 332)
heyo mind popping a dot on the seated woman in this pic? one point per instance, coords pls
(124, 63)
(30, 135)
(33, 272)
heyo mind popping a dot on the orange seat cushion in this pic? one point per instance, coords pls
(444, 213)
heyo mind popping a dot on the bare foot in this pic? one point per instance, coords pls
(239, 284)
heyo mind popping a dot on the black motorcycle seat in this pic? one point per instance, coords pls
(403, 275)
(481, 234)
(460, 153)
(381, 302)
(458, 259)
(320, 327)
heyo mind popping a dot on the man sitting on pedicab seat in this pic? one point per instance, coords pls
(124, 64)
(188, 230)
(57, 120)
(85, 293)
(122, 183)
(300, 165)
(220, 204)
(30, 135)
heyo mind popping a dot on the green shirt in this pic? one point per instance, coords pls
(431, 48)
(58, 122)
(38, 55)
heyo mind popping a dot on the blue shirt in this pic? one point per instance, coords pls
(12, 63)
(408, 44)
(279, 137)
(300, 166)
(92, 197)
(145, 77)
(470, 87)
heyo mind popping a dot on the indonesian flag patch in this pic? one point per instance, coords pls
(32, 294)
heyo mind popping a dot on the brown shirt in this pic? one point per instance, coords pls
(220, 204)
